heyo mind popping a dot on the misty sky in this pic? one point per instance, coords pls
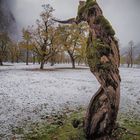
(124, 15)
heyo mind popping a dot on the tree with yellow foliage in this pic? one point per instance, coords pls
(73, 37)
(4, 44)
(26, 43)
(46, 37)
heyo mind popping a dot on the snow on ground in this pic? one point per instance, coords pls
(130, 91)
(28, 94)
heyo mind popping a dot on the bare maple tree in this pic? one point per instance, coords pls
(129, 56)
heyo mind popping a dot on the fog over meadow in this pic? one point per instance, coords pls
(124, 15)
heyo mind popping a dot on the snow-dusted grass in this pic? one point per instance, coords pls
(28, 94)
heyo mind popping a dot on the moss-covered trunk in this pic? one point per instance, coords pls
(103, 59)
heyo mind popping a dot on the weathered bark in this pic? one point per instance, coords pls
(103, 58)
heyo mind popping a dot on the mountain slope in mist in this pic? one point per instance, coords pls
(7, 20)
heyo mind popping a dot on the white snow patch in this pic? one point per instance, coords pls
(27, 95)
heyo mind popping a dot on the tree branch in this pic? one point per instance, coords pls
(69, 21)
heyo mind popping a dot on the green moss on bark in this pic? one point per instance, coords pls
(95, 50)
(101, 20)
(82, 11)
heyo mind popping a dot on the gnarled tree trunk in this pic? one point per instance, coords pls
(103, 58)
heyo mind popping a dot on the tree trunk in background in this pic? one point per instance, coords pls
(42, 65)
(52, 61)
(128, 65)
(17, 59)
(131, 58)
(131, 43)
(34, 59)
(38, 60)
(73, 63)
(27, 56)
(42, 58)
(72, 59)
(12, 60)
(1, 64)
(79, 63)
